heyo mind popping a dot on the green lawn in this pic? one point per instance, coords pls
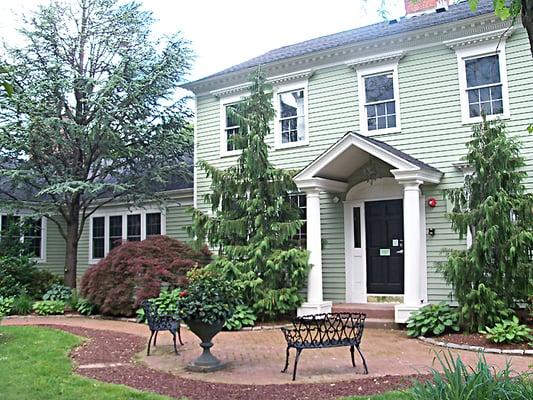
(34, 364)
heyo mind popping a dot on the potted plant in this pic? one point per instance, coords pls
(204, 306)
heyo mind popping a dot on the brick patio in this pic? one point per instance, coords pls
(256, 357)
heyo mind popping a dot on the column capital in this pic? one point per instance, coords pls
(411, 184)
(312, 191)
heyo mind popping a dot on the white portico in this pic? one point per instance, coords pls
(385, 248)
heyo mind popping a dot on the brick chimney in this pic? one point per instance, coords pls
(417, 7)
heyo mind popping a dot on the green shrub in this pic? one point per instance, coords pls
(22, 305)
(58, 293)
(432, 320)
(85, 307)
(243, 316)
(482, 308)
(49, 307)
(166, 304)
(460, 382)
(508, 331)
(6, 305)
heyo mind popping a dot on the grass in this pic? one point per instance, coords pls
(385, 396)
(34, 364)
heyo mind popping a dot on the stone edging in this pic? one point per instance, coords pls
(124, 319)
(479, 349)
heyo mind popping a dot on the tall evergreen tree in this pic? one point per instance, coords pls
(93, 116)
(252, 219)
(494, 206)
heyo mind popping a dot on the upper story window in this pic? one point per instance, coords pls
(379, 98)
(290, 102)
(31, 231)
(110, 230)
(483, 82)
(231, 129)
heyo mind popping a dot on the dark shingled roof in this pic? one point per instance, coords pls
(455, 12)
(395, 151)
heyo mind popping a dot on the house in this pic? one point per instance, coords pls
(376, 120)
(107, 227)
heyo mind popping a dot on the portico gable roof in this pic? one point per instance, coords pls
(332, 168)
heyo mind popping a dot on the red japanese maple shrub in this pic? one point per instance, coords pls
(135, 271)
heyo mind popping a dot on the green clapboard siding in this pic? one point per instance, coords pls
(55, 250)
(431, 131)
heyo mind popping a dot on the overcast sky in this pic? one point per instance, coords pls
(224, 33)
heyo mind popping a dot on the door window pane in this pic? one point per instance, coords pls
(115, 231)
(98, 237)
(153, 224)
(357, 227)
(134, 228)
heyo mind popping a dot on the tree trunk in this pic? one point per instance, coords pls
(71, 257)
(527, 20)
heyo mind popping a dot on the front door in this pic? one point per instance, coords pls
(384, 246)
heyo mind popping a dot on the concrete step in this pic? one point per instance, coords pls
(377, 323)
(383, 311)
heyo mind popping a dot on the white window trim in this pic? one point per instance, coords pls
(485, 49)
(124, 213)
(225, 101)
(290, 87)
(368, 70)
(42, 258)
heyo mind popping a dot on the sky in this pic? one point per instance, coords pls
(226, 32)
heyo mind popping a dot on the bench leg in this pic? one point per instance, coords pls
(174, 341)
(352, 351)
(179, 335)
(298, 352)
(286, 361)
(363, 358)
(155, 338)
(149, 342)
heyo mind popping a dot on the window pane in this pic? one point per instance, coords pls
(496, 92)
(482, 71)
(372, 124)
(380, 109)
(153, 224)
(391, 107)
(98, 237)
(473, 96)
(134, 228)
(379, 88)
(497, 107)
(33, 235)
(474, 110)
(230, 118)
(382, 123)
(357, 227)
(391, 121)
(484, 94)
(291, 103)
(371, 111)
(285, 137)
(115, 231)
(300, 201)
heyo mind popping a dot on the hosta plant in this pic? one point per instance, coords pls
(509, 331)
(432, 320)
(243, 316)
(85, 307)
(6, 304)
(165, 304)
(58, 292)
(49, 307)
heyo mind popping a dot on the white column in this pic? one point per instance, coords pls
(315, 302)
(411, 232)
(412, 262)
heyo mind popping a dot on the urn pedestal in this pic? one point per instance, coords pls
(207, 362)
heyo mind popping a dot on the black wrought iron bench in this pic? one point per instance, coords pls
(321, 331)
(158, 322)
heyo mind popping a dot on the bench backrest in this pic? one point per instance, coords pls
(335, 328)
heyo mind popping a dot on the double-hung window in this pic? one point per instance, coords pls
(29, 230)
(300, 201)
(111, 229)
(483, 82)
(231, 129)
(379, 98)
(292, 124)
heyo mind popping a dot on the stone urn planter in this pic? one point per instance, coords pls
(207, 362)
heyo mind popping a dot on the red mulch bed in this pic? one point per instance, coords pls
(107, 346)
(477, 339)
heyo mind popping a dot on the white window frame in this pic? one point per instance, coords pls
(472, 52)
(224, 102)
(290, 87)
(124, 213)
(42, 257)
(372, 70)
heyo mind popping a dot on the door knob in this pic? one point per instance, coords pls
(399, 252)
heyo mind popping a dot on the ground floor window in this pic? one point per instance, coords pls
(29, 230)
(110, 230)
(300, 200)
